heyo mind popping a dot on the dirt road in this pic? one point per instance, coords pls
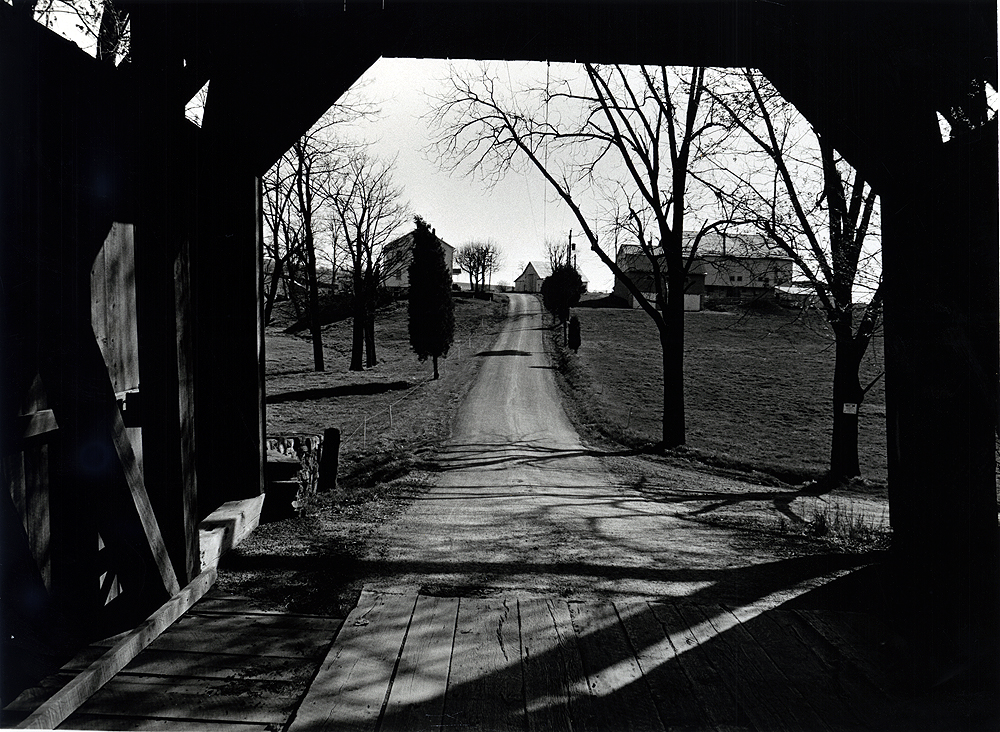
(520, 504)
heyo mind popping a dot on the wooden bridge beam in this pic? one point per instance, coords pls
(228, 289)
(163, 301)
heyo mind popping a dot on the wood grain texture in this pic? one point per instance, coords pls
(620, 697)
(353, 680)
(252, 635)
(656, 655)
(233, 700)
(766, 687)
(552, 667)
(485, 686)
(416, 699)
(715, 697)
(145, 724)
(56, 709)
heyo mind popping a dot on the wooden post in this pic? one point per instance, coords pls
(163, 288)
(940, 265)
(229, 297)
(330, 460)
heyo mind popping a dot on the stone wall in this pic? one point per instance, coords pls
(295, 458)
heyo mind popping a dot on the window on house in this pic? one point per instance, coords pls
(732, 278)
(740, 278)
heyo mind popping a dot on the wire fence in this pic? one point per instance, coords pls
(463, 347)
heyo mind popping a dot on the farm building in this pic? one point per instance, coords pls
(530, 280)
(132, 392)
(735, 266)
(398, 254)
(534, 274)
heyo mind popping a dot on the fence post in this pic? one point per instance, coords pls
(329, 460)
(364, 434)
(390, 416)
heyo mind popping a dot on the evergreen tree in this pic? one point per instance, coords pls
(431, 309)
(561, 290)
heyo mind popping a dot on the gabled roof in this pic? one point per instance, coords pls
(405, 242)
(543, 270)
(712, 244)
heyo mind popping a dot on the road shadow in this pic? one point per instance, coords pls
(328, 392)
(504, 353)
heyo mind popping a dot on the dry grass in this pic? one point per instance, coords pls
(758, 390)
(395, 405)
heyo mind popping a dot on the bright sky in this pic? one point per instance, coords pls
(519, 213)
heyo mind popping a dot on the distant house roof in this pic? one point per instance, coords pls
(542, 270)
(405, 242)
(397, 253)
(712, 244)
(735, 245)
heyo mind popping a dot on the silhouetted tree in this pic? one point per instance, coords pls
(480, 259)
(561, 290)
(431, 308)
(813, 208)
(368, 211)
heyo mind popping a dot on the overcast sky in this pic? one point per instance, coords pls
(519, 213)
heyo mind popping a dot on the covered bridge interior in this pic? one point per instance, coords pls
(130, 266)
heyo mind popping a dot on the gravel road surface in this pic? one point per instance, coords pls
(521, 505)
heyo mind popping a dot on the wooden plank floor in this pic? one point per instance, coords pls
(514, 662)
(221, 666)
(415, 662)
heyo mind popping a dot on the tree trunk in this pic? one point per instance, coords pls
(272, 290)
(370, 357)
(315, 328)
(435, 359)
(358, 339)
(672, 345)
(847, 398)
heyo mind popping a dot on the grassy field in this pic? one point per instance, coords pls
(389, 415)
(758, 389)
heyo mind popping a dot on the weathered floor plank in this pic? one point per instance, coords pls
(777, 633)
(768, 688)
(485, 687)
(716, 697)
(353, 681)
(620, 696)
(734, 671)
(229, 700)
(416, 698)
(552, 667)
(412, 662)
(145, 724)
(251, 635)
(849, 671)
(657, 657)
(193, 664)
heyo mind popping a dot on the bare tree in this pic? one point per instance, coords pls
(98, 26)
(793, 188)
(297, 212)
(314, 163)
(480, 259)
(626, 133)
(368, 210)
(282, 240)
(556, 254)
